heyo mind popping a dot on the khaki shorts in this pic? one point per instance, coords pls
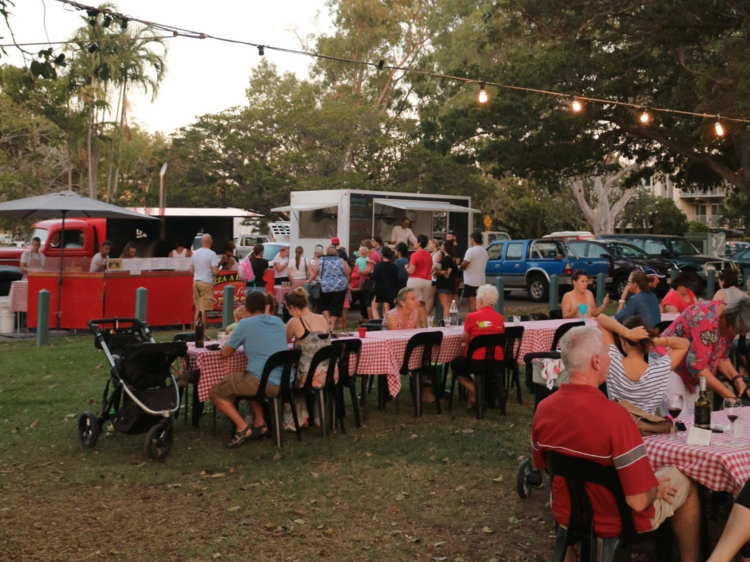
(422, 288)
(241, 384)
(203, 295)
(664, 510)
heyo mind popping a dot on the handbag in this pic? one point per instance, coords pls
(648, 424)
(245, 270)
(316, 291)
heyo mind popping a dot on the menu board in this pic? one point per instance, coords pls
(360, 219)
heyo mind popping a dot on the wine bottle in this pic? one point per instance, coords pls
(199, 332)
(702, 407)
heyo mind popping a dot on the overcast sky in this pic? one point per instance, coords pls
(204, 76)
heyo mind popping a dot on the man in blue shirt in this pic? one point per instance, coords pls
(638, 300)
(260, 336)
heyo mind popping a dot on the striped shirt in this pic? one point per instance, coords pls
(645, 393)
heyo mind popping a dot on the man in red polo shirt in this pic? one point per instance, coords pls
(580, 421)
(420, 277)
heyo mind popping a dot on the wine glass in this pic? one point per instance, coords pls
(430, 320)
(674, 407)
(583, 308)
(733, 409)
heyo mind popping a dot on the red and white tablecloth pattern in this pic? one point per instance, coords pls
(19, 296)
(720, 466)
(280, 292)
(213, 366)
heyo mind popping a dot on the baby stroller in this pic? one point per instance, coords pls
(137, 398)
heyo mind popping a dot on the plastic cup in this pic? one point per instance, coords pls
(362, 331)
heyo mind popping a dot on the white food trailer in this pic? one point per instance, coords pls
(354, 216)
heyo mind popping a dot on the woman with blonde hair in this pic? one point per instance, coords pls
(405, 315)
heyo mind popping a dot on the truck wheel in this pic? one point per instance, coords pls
(621, 281)
(538, 288)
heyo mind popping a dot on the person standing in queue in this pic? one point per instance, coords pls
(260, 265)
(32, 260)
(473, 266)
(99, 261)
(204, 267)
(280, 265)
(420, 277)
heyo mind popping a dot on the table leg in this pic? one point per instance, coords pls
(363, 399)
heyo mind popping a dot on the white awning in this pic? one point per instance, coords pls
(301, 207)
(414, 205)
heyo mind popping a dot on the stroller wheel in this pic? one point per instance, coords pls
(159, 441)
(88, 429)
(522, 481)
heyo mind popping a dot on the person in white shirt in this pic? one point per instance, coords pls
(204, 267)
(99, 261)
(180, 252)
(403, 234)
(280, 264)
(32, 260)
(473, 266)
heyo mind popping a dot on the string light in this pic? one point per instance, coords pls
(483, 97)
(645, 117)
(107, 21)
(261, 51)
(718, 127)
(93, 48)
(576, 103)
(60, 60)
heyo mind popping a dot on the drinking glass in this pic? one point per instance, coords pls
(222, 337)
(733, 409)
(582, 308)
(674, 407)
(516, 320)
(430, 319)
(447, 321)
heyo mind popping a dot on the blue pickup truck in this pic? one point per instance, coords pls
(528, 264)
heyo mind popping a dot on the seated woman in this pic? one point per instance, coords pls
(228, 261)
(484, 322)
(736, 535)
(631, 377)
(129, 251)
(728, 280)
(404, 315)
(580, 295)
(642, 303)
(310, 332)
(680, 295)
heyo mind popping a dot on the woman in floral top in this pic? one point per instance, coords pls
(710, 326)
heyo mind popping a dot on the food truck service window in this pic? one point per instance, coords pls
(320, 223)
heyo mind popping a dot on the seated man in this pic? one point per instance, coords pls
(579, 420)
(260, 336)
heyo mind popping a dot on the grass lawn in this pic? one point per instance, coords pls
(399, 488)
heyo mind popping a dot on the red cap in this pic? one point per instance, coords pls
(335, 241)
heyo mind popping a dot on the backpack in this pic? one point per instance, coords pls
(245, 270)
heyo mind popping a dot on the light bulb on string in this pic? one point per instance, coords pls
(718, 127)
(576, 105)
(483, 97)
(645, 117)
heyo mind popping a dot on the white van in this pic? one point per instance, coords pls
(571, 235)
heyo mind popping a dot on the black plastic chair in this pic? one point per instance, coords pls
(373, 327)
(191, 378)
(482, 369)
(540, 391)
(539, 316)
(513, 337)
(325, 397)
(375, 321)
(561, 331)
(555, 314)
(663, 325)
(525, 318)
(577, 472)
(348, 365)
(286, 360)
(428, 344)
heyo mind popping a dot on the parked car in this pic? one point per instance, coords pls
(731, 247)
(679, 251)
(571, 235)
(243, 245)
(490, 237)
(528, 264)
(623, 259)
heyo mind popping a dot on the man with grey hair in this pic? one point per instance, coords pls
(578, 420)
(204, 267)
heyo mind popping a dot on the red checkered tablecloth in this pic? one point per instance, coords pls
(720, 467)
(280, 292)
(213, 366)
(19, 296)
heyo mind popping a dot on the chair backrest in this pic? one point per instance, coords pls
(428, 343)
(525, 318)
(562, 330)
(663, 325)
(539, 316)
(513, 337)
(332, 354)
(555, 314)
(373, 327)
(377, 321)
(349, 362)
(577, 472)
(184, 336)
(286, 359)
(529, 357)
(489, 343)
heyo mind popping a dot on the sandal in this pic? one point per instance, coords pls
(240, 436)
(258, 433)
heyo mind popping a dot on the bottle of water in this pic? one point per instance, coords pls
(454, 314)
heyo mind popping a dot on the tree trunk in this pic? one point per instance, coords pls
(122, 125)
(112, 144)
(89, 155)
